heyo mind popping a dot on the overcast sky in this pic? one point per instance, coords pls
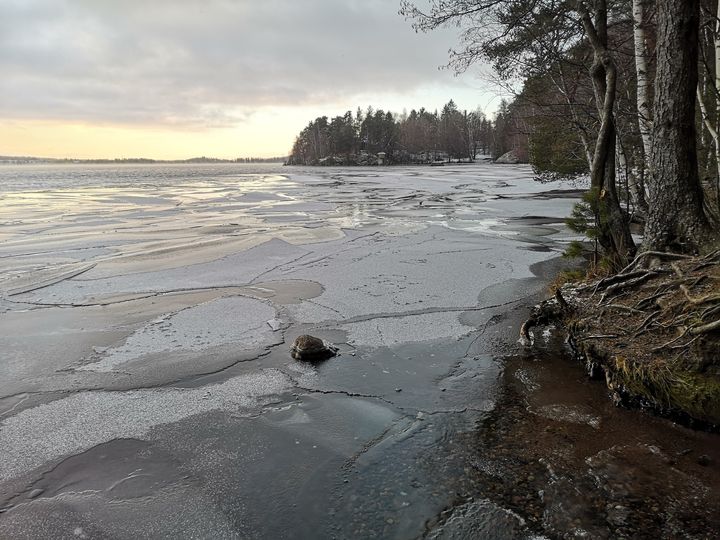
(178, 78)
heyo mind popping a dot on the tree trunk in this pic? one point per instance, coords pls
(677, 220)
(612, 224)
(636, 190)
(716, 94)
(717, 64)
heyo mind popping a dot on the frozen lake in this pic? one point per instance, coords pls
(146, 389)
(188, 263)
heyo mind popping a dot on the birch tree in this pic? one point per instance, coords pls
(643, 79)
(708, 93)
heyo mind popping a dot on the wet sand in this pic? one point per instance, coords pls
(147, 316)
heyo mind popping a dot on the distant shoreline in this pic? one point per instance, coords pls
(28, 160)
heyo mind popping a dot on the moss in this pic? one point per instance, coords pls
(698, 395)
(669, 387)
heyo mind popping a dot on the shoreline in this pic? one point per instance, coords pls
(649, 335)
(553, 457)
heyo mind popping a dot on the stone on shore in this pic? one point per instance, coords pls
(508, 158)
(311, 349)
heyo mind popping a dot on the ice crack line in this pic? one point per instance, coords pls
(51, 281)
(141, 296)
(266, 272)
(426, 311)
(409, 412)
(369, 445)
(324, 306)
(348, 394)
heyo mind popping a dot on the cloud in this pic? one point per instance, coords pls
(204, 62)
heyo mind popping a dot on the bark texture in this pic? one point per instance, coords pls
(676, 220)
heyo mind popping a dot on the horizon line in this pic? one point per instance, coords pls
(5, 158)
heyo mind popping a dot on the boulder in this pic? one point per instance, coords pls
(312, 349)
(508, 158)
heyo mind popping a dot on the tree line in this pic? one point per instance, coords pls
(420, 136)
(626, 91)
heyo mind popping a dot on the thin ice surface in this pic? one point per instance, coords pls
(179, 268)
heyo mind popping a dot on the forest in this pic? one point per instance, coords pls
(420, 136)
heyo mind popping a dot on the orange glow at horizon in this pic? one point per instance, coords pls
(59, 139)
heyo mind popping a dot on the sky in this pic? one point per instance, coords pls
(173, 79)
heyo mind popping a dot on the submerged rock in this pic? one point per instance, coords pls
(311, 348)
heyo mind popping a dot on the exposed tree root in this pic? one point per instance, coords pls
(627, 284)
(657, 254)
(543, 314)
(620, 307)
(645, 322)
(705, 328)
(596, 336)
(654, 333)
(699, 300)
(674, 340)
(606, 282)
